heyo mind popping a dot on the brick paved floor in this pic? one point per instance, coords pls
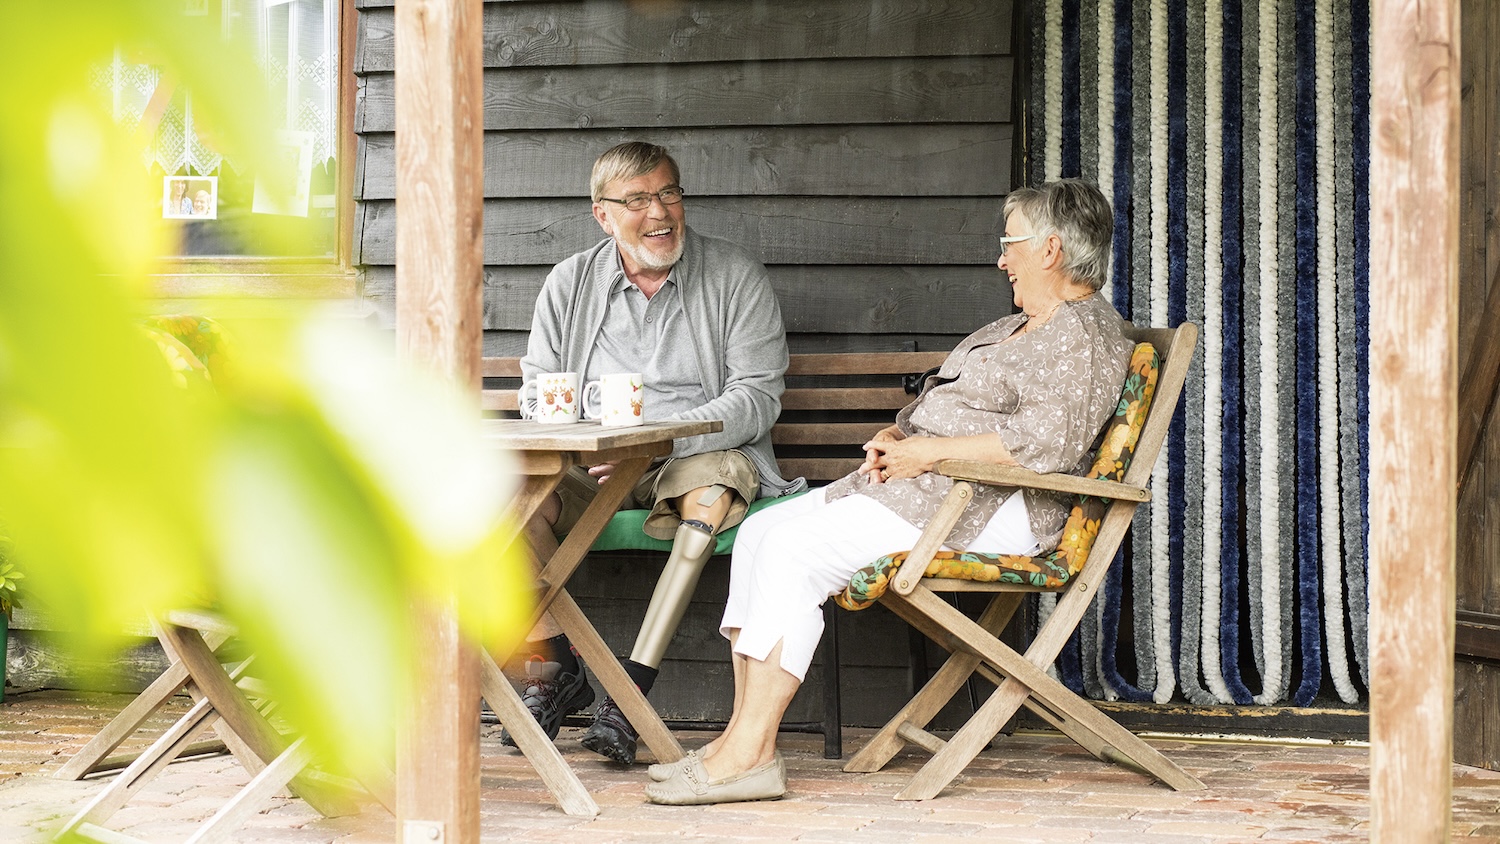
(1029, 788)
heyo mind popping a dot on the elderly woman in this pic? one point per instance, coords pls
(1032, 389)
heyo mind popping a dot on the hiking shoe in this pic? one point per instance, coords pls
(611, 735)
(551, 696)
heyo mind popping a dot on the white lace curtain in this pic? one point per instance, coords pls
(296, 43)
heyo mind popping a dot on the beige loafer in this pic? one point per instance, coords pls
(690, 786)
(663, 771)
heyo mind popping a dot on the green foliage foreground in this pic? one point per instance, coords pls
(312, 498)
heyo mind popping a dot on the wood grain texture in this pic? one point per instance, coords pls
(1476, 148)
(440, 265)
(1479, 235)
(49, 659)
(847, 398)
(963, 89)
(1414, 180)
(777, 230)
(855, 160)
(1481, 379)
(826, 433)
(513, 343)
(607, 32)
(859, 364)
(852, 300)
(1477, 576)
(1476, 706)
(588, 436)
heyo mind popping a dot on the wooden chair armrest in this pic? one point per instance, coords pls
(932, 537)
(997, 475)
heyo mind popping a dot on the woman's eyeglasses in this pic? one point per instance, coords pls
(1005, 242)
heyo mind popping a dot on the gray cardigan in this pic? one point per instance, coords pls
(739, 340)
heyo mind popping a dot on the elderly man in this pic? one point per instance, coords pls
(696, 316)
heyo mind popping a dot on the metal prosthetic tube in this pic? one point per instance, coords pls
(691, 548)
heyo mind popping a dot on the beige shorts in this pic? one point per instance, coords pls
(662, 485)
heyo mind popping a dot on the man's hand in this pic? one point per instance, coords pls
(602, 471)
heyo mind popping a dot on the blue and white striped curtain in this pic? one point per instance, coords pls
(1233, 139)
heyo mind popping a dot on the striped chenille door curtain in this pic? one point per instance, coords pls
(1233, 139)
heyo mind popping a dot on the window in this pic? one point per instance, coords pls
(287, 207)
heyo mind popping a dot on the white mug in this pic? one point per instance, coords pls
(556, 400)
(616, 400)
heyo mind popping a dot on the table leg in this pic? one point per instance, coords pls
(606, 666)
(534, 490)
(534, 744)
(564, 561)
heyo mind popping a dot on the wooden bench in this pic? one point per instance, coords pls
(834, 403)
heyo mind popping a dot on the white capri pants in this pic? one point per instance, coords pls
(790, 558)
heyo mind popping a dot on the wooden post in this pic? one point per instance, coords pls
(439, 304)
(1414, 199)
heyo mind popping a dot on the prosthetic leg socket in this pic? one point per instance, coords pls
(691, 548)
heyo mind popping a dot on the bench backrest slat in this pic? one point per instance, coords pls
(824, 433)
(845, 398)
(864, 363)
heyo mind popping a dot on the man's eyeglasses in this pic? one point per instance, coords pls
(642, 201)
(1005, 242)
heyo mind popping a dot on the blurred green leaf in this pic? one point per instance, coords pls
(313, 498)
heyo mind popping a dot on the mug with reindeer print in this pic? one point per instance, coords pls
(616, 400)
(556, 400)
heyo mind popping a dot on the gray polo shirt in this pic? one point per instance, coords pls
(650, 337)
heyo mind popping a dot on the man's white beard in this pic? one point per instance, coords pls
(648, 260)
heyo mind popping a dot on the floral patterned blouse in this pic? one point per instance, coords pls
(1046, 393)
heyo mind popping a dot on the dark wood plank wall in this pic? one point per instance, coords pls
(860, 149)
(1476, 715)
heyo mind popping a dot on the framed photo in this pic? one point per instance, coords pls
(284, 184)
(190, 197)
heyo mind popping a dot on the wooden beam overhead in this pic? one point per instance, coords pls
(1414, 197)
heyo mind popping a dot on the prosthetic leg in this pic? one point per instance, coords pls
(691, 548)
(611, 734)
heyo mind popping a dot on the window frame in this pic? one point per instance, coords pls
(218, 277)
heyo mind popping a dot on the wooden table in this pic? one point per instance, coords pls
(546, 453)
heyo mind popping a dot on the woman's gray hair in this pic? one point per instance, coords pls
(627, 161)
(1079, 215)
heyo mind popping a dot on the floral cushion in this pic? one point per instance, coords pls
(204, 341)
(1055, 568)
(185, 367)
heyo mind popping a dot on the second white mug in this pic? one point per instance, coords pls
(616, 400)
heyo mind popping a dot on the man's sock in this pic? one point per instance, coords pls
(559, 650)
(644, 676)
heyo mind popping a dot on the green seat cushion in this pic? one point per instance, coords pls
(626, 531)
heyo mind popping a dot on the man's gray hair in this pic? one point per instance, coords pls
(1079, 215)
(627, 161)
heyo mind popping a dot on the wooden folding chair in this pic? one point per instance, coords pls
(94, 757)
(1108, 497)
(222, 693)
